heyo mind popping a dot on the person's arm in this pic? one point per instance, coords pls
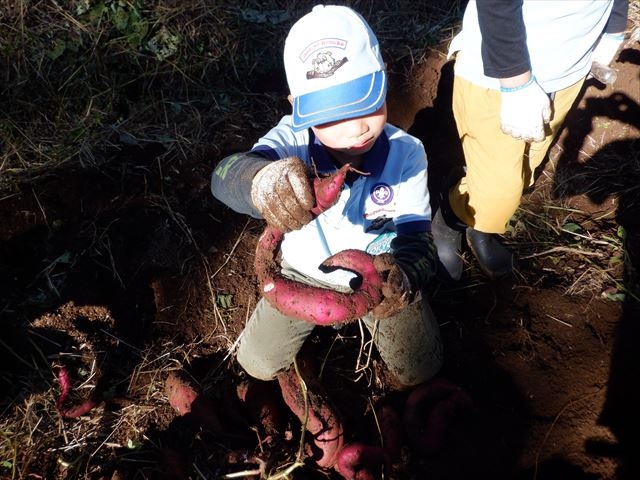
(415, 253)
(504, 38)
(232, 179)
(279, 191)
(617, 23)
(613, 36)
(525, 107)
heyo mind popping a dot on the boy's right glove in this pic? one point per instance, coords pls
(525, 111)
(283, 194)
(395, 287)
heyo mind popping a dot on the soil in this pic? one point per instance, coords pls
(107, 275)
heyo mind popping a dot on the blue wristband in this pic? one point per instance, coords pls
(618, 37)
(515, 89)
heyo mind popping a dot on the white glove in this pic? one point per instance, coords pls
(283, 194)
(607, 48)
(525, 111)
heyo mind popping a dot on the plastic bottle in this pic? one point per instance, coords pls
(604, 74)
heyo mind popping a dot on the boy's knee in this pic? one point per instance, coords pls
(407, 380)
(258, 368)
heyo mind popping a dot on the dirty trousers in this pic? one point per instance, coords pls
(409, 343)
(498, 166)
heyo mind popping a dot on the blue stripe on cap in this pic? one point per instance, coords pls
(356, 98)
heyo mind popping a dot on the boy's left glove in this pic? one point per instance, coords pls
(395, 287)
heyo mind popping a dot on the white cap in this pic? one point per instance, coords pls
(334, 67)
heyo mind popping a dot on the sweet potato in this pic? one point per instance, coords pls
(363, 462)
(323, 420)
(320, 306)
(259, 399)
(327, 189)
(429, 411)
(360, 461)
(186, 400)
(65, 389)
(390, 424)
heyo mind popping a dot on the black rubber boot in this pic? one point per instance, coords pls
(447, 233)
(494, 259)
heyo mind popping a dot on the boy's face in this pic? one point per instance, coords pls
(355, 136)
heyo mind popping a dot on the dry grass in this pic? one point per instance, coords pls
(84, 80)
(568, 245)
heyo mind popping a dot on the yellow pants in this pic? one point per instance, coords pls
(498, 165)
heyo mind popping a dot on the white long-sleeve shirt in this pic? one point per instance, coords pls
(552, 38)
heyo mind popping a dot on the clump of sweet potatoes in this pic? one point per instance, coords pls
(320, 306)
(429, 411)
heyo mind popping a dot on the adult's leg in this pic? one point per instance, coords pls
(489, 193)
(562, 103)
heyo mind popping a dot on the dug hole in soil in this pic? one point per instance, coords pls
(107, 280)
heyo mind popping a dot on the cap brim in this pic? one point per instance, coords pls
(356, 98)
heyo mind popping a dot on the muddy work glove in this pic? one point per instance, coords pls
(283, 194)
(396, 288)
(525, 111)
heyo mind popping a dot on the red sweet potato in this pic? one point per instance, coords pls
(390, 424)
(323, 420)
(360, 461)
(363, 462)
(65, 389)
(186, 400)
(320, 306)
(429, 411)
(327, 189)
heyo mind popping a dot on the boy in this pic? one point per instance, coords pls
(338, 85)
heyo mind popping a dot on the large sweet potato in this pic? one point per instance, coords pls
(320, 306)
